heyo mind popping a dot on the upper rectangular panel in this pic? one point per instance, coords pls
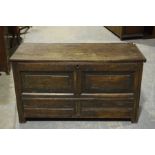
(103, 52)
(51, 82)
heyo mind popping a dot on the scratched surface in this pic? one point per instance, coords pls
(78, 52)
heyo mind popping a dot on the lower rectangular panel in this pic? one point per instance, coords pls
(106, 108)
(47, 82)
(48, 113)
(48, 108)
(43, 107)
(106, 113)
(48, 103)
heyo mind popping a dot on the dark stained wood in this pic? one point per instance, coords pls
(48, 112)
(89, 81)
(48, 102)
(137, 90)
(107, 83)
(127, 32)
(116, 30)
(4, 53)
(103, 103)
(47, 82)
(8, 44)
(106, 113)
(130, 32)
(18, 90)
(106, 108)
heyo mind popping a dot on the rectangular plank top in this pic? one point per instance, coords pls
(105, 52)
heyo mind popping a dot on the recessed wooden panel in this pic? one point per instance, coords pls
(106, 113)
(48, 113)
(56, 82)
(105, 82)
(104, 103)
(106, 108)
(48, 107)
(44, 102)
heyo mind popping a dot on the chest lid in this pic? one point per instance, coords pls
(104, 52)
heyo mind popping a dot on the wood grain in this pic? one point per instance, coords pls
(105, 52)
(78, 80)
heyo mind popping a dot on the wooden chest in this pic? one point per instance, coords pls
(87, 80)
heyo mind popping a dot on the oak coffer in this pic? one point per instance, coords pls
(79, 80)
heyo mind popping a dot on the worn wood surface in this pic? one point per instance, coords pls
(90, 81)
(106, 52)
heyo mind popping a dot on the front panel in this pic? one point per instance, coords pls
(47, 82)
(46, 78)
(103, 108)
(107, 82)
(76, 90)
(108, 78)
(42, 107)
